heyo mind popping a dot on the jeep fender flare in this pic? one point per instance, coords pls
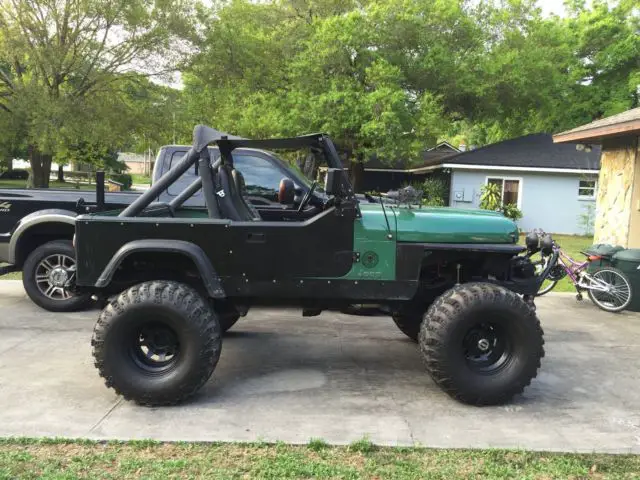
(210, 278)
(41, 217)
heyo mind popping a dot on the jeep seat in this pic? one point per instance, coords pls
(232, 197)
(241, 188)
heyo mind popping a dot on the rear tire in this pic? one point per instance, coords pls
(612, 302)
(408, 324)
(157, 343)
(482, 343)
(48, 277)
(227, 320)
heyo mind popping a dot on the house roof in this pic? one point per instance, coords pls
(428, 157)
(625, 123)
(444, 146)
(535, 152)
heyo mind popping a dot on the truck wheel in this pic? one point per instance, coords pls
(482, 343)
(48, 276)
(157, 343)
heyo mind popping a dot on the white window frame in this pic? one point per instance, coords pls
(503, 178)
(595, 189)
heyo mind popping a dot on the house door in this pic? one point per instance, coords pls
(510, 189)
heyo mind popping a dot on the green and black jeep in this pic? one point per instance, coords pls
(177, 277)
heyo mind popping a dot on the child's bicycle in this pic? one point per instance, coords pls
(607, 287)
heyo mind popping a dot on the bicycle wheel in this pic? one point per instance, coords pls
(546, 287)
(548, 284)
(618, 294)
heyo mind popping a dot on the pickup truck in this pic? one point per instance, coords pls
(37, 225)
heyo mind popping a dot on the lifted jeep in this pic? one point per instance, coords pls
(178, 277)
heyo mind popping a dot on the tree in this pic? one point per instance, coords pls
(392, 77)
(62, 61)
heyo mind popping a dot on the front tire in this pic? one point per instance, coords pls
(482, 343)
(157, 343)
(48, 277)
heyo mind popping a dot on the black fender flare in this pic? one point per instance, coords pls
(210, 278)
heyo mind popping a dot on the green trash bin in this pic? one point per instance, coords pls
(628, 261)
(603, 250)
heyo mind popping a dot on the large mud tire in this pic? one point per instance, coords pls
(157, 343)
(481, 343)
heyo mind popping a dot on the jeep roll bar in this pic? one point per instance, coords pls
(203, 136)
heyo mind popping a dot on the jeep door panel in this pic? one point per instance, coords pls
(250, 251)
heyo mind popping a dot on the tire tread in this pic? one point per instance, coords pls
(439, 318)
(196, 312)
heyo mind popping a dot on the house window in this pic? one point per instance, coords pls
(587, 189)
(510, 189)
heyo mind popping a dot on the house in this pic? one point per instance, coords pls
(382, 176)
(618, 197)
(137, 163)
(553, 184)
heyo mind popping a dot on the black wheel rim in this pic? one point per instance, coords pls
(155, 347)
(486, 347)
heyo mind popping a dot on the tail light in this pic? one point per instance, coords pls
(593, 258)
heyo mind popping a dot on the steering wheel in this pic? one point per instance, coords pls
(307, 197)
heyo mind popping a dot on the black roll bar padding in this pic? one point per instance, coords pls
(161, 185)
(333, 157)
(185, 195)
(100, 205)
(206, 178)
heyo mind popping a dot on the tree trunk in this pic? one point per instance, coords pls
(40, 168)
(60, 173)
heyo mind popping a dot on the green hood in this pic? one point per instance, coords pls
(446, 225)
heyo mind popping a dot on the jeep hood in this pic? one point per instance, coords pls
(447, 225)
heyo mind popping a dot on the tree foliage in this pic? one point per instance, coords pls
(63, 64)
(384, 76)
(393, 76)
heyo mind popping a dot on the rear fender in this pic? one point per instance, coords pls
(210, 278)
(39, 218)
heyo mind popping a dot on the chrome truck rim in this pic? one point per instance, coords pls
(55, 275)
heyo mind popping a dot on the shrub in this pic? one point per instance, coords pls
(123, 178)
(434, 192)
(587, 219)
(490, 197)
(510, 210)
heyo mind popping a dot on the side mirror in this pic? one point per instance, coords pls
(286, 192)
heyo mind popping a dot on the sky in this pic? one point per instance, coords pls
(552, 6)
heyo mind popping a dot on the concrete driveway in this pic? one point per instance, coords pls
(336, 377)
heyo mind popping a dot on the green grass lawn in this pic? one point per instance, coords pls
(140, 179)
(52, 184)
(572, 244)
(31, 459)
